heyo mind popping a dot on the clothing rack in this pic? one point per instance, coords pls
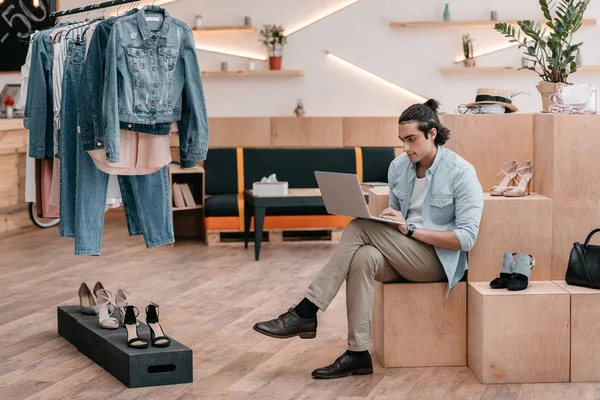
(91, 7)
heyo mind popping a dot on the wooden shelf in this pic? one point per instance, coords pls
(495, 70)
(464, 24)
(232, 28)
(176, 169)
(187, 208)
(255, 73)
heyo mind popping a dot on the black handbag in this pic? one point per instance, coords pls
(584, 264)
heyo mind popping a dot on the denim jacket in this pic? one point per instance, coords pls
(39, 112)
(91, 90)
(154, 78)
(454, 202)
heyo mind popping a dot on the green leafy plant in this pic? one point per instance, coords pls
(272, 37)
(549, 46)
(467, 46)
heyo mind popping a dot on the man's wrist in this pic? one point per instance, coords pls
(403, 228)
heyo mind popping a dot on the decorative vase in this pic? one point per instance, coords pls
(469, 62)
(447, 12)
(546, 89)
(9, 111)
(299, 110)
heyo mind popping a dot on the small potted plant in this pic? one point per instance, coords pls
(550, 50)
(272, 37)
(469, 60)
(9, 103)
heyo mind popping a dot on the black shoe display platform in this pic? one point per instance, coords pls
(108, 348)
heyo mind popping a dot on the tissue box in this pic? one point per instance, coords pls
(270, 189)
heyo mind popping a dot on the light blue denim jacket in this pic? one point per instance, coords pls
(454, 202)
(154, 78)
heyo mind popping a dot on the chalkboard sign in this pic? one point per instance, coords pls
(18, 19)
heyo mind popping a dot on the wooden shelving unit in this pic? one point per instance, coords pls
(231, 28)
(188, 221)
(463, 24)
(254, 73)
(494, 70)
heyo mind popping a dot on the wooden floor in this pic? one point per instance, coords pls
(210, 298)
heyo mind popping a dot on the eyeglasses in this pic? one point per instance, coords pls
(474, 109)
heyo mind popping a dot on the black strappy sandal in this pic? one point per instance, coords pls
(133, 339)
(157, 336)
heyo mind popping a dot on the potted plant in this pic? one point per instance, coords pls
(9, 102)
(272, 37)
(550, 50)
(469, 60)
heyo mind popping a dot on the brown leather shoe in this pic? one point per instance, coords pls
(288, 325)
(346, 365)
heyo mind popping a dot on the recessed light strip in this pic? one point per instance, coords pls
(326, 14)
(376, 77)
(231, 52)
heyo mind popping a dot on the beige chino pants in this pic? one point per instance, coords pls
(370, 251)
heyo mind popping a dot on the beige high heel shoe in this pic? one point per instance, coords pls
(103, 301)
(525, 173)
(509, 170)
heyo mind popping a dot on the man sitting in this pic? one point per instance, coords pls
(438, 195)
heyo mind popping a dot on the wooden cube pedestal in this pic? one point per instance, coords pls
(513, 224)
(585, 326)
(414, 325)
(519, 337)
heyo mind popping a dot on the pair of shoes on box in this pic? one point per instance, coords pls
(509, 186)
(102, 303)
(515, 271)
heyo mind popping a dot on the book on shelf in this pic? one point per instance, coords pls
(178, 196)
(187, 195)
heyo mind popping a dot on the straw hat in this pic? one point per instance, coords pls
(494, 96)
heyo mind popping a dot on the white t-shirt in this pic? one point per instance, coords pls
(415, 208)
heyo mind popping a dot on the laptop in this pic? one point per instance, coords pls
(343, 195)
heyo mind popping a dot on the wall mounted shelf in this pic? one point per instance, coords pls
(493, 70)
(254, 73)
(233, 28)
(463, 24)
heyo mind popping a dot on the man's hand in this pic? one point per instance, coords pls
(390, 213)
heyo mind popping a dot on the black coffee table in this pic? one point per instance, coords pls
(257, 206)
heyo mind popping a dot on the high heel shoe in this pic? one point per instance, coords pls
(102, 303)
(525, 173)
(157, 336)
(121, 303)
(509, 170)
(87, 300)
(133, 339)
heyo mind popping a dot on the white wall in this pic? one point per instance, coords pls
(361, 34)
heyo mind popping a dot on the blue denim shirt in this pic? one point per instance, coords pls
(39, 112)
(152, 78)
(454, 202)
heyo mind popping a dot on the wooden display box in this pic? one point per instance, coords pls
(133, 367)
(513, 224)
(488, 140)
(585, 325)
(519, 337)
(414, 325)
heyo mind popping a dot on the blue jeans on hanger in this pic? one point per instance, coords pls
(146, 198)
